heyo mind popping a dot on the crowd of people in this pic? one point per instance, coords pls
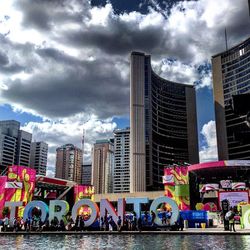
(130, 222)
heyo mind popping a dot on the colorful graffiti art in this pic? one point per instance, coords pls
(3, 180)
(19, 185)
(176, 185)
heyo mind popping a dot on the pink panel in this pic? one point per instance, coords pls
(214, 164)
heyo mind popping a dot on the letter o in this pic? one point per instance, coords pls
(172, 203)
(92, 205)
(43, 207)
(246, 219)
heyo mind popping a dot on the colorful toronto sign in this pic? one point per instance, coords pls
(60, 208)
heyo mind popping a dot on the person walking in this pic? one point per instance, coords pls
(181, 223)
(169, 215)
(61, 225)
(139, 224)
(134, 222)
(231, 220)
(15, 225)
(146, 218)
(111, 223)
(119, 224)
(153, 216)
(82, 223)
(106, 221)
(102, 224)
(125, 223)
(164, 218)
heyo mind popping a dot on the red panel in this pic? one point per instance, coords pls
(54, 181)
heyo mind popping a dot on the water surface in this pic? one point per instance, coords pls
(192, 242)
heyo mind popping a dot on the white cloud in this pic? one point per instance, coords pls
(50, 173)
(101, 15)
(206, 81)
(174, 70)
(209, 151)
(70, 130)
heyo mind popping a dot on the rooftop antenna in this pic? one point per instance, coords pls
(83, 137)
(226, 39)
(249, 7)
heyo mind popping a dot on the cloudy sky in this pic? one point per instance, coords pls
(64, 64)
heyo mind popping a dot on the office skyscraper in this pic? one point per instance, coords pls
(69, 163)
(163, 124)
(103, 166)
(121, 166)
(38, 157)
(86, 173)
(14, 145)
(231, 85)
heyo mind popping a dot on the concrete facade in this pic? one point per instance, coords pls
(121, 178)
(38, 157)
(137, 124)
(103, 166)
(113, 197)
(69, 163)
(14, 145)
(163, 125)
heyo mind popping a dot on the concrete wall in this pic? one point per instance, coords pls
(116, 196)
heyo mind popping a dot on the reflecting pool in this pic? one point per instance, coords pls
(124, 241)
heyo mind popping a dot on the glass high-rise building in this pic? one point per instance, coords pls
(231, 84)
(163, 124)
(14, 145)
(86, 173)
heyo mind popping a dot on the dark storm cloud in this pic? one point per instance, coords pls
(57, 56)
(45, 14)
(18, 57)
(92, 87)
(11, 69)
(118, 38)
(3, 59)
(63, 85)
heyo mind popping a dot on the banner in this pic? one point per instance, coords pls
(209, 187)
(234, 197)
(13, 184)
(238, 185)
(168, 179)
(226, 184)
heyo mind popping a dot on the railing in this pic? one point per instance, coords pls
(4, 171)
(64, 193)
